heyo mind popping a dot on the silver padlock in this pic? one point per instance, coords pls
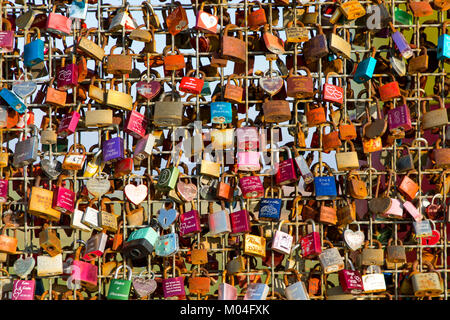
(26, 150)
(330, 259)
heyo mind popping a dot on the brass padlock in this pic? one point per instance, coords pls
(372, 256)
(49, 241)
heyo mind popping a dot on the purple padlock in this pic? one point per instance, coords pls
(68, 75)
(112, 148)
(173, 286)
(3, 190)
(401, 43)
(400, 117)
(189, 223)
(23, 289)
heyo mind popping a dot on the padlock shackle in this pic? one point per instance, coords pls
(116, 274)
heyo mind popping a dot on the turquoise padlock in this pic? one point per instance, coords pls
(119, 289)
(33, 52)
(206, 90)
(221, 112)
(443, 47)
(13, 100)
(365, 69)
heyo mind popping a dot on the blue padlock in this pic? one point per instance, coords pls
(270, 208)
(324, 186)
(113, 148)
(221, 112)
(167, 245)
(140, 243)
(33, 52)
(365, 69)
(443, 47)
(13, 100)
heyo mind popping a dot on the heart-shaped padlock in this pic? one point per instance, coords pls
(136, 194)
(24, 89)
(98, 185)
(23, 267)
(144, 286)
(271, 84)
(167, 216)
(187, 191)
(148, 89)
(354, 239)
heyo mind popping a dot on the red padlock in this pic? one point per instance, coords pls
(332, 93)
(124, 166)
(390, 90)
(192, 85)
(286, 173)
(207, 22)
(136, 123)
(256, 18)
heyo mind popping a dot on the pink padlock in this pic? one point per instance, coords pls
(6, 37)
(240, 221)
(395, 211)
(351, 280)
(68, 124)
(189, 223)
(67, 75)
(63, 198)
(248, 161)
(282, 241)
(219, 221)
(59, 24)
(136, 123)
(247, 138)
(286, 173)
(311, 245)
(400, 117)
(23, 290)
(173, 287)
(84, 272)
(251, 187)
(227, 291)
(412, 210)
(3, 190)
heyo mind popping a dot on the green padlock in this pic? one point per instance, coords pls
(168, 177)
(402, 17)
(206, 90)
(119, 289)
(60, 146)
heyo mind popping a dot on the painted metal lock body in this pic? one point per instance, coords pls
(167, 245)
(347, 160)
(33, 52)
(286, 171)
(324, 186)
(95, 246)
(365, 68)
(168, 178)
(189, 223)
(199, 284)
(316, 47)
(13, 100)
(300, 87)
(91, 217)
(426, 284)
(297, 290)
(408, 187)
(8, 244)
(351, 280)
(49, 266)
(207, 22)
(26, 150)
(240, 222)
(58, 24)
(227, 291)
(23, 289)
(67, 75)
(401, 43)
(303, 166)
(191, 84)
(331, 92)
(247, 138)
(84, 272)
(390, 90)
(331, 140)
(219, 222)
(174, 61)
(373, 282)
(330, 259)
(248, 161)
(140, 243)
(199, 255)
(395, 253)
(255, 245)
(119, 289)
(74, 158)
(400, 117)
(118, 99)
(6, 38)
(76, 218)
(40, 203)
(221, 112)
(68, 124)
(173, 286)
(144, 147)
(234, 92)
(276, 111)
(316, 115)
(258, 291)
(136, 123)
(233, 49)
(311, 244)
(338, 45)
(98, 118)
(113, 148)
(282, 241)
(372, 256)
(251, 187)
(443, 46)
(63, 198)
(168, 113)
(422, 228)
(270, 208)
(4, 187)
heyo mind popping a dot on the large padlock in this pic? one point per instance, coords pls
(26, 150)
(119, 289)
(173, 286)
(270, 208)
(255, 245)
(89, 47)
(365, 69)
(95, 246)
(372, 256)
(167, 245)
(276, 111)
(58, 24)
(443, 46)
(136, 123)
(401, 43)
(240, 220)
(75, 157)
(64, 198)
(199, 284)
(373, 282)
(41, 202)
(311, 244)
(140, 243)
(426, 284)
(168, 113)
(13, 100)
(350, 280)
(347, 160)
(227, 291)
(286, 170)
(251, 187)
(297, 290)
(233, 49)
(207, 22)
(8, 244)
(219, 221)
(400, 117)
(390, 90)
(119, 64)
(33, 52)
(332, 93)
(316, 47)
(282, 241)
(300, 87)
(330, 259)
(256, 18)
(395, 253)
(117, 99)
(258, 291)
(324, 186)
(315, 116)
(98, 117)
(113, 148)
(68, 124)
(434, 118)
(67, 75)
(338, 45)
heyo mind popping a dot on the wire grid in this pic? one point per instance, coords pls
(153, 205)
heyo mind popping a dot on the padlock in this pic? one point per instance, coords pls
(434, 118)
(119, 64)
(297, 290)
(426, 284)
(6, 37)
(168, 178)
(119, 289)
(117, 99)
(286, 170)
(40, 202)
(98, 117)
(311, 244)
(233, 49)
(270, 208)
(221, 111)
(395, 253)
(8, 244)
(347, 160)
(122, 20)
(108, 218)
(366, 68)
(282, 241)
(26, 150)
(199, 284)
(227, 291)
(134, 217)
(207, 22)
(89, 47)
(240, 220)
(64, 198)
(68, 124)
(168, 113)
(300, 87)
(443, 46)
(351, 9)
(330, 141)
(113, 148)
(332, 93)
(355, 186)
(390, 90)
(441, 157)
(95, 246)
(167, 245)
(91, 216)
(273, 44)
(422, 228)
(225, 190)
(13, 100)
(251, 187)
(67, 75)
(23, 289)
(173, 286)
(409, 187)
(420, 8)
(54, 97)
(373, 282)
(328, 215)
(297, 33)
(49, 266)
(140, 243)
(372, 256)
(324, 186)
(404, 162)
(338, 45)
(58, 24)
(191, 84)
(136, 123)
(401, 43)
(276, 111)
(351, 280)
(74, 158)
(315, 116)
(222, 139)
(77, 215)
(400, 117)
(258, 291)
(419, 64)
(219, 221)
(49, 241)
(234, 92)
(33, 52)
